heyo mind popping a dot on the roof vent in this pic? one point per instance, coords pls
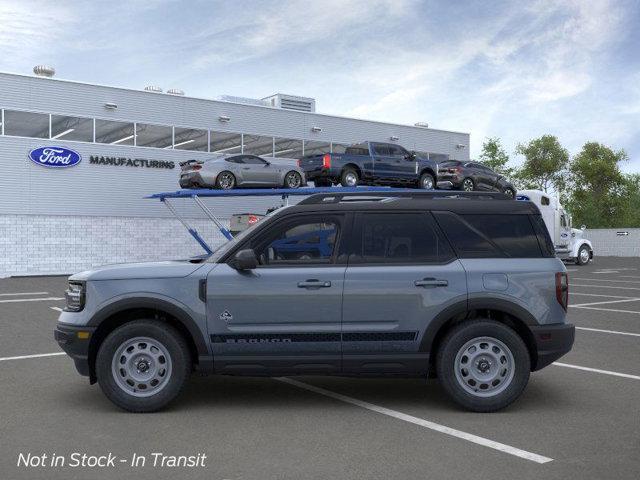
(422, 124)
(153, 88)
(175, 91)
(292, 102)
(44, 71)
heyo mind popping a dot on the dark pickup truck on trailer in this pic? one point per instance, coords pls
(371, 163)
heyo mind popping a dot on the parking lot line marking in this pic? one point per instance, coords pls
(632, 299)
(37, 355)
(608, 331)
(57, 309)
(597, 370)
(597, 295)
(485, 442)
(14, 300)
(628, 276)
(605, 286)
(606, 280)
(22, 293)
(606, 309)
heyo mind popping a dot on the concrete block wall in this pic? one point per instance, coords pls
(612, 242)
(42, 244)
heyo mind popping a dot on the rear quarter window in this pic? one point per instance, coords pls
(491, 236)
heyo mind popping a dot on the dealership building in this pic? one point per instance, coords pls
(129, 144)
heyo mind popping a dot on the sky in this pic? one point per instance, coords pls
(513, 70)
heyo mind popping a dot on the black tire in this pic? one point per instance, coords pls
(298, 178)
(322, 182)
(180, 361)
(426, 182)
(509, 192)
(452, 345)
(221, 183)
(581, 255)
(346, 176)
(466, 183)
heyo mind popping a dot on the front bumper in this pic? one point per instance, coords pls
(74, 340)
(552, 342)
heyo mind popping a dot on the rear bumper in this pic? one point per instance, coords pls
(192, 180)
(319, 172)
(552, 342)
(74, 346)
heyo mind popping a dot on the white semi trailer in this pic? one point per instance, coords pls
(569, 242)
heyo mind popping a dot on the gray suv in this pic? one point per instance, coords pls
(465, 287)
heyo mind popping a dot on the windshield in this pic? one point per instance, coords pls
(239, 238)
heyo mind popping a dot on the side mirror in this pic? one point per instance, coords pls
(244, 260)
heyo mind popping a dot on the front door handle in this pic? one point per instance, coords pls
(431, 283)
(313, 283)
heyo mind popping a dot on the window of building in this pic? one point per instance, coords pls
(114, 133)
(158, 136)
(225, 142)
(287, 148)
(312, 147)
(191, 139)
(72, 128)
(26, 124)
(399, 238)
(258, 145)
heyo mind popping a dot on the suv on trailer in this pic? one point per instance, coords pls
(465, 287)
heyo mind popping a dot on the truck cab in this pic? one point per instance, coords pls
(568, 242)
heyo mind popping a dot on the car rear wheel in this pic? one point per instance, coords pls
(349, 178)
(483, 365)
(143, 365)
(583, 255)
(509, 192)
(225, 181)
(426, 182)
(292, 180)
(468, 185)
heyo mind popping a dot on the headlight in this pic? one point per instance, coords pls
(74, 295)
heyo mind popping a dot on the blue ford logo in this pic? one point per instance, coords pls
(57, 157)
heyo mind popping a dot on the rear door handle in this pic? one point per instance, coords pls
(431, 283)
(313, 283)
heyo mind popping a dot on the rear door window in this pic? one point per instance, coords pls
(467, 241)
(407, 238)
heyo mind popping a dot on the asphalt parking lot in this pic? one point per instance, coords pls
(579, 418)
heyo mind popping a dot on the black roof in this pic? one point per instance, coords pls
(457, 202)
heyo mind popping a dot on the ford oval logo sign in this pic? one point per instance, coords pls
(56, 157)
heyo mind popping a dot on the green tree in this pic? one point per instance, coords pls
(495, 157)
(545, 164)
(631, 215)
(599, 191)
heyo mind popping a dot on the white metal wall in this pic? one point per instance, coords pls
(614, 242)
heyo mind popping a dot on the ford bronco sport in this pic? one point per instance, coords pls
(462, 286)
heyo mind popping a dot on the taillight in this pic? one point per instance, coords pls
(299, 162)
(326, 161)
(562, 289)
(252, 219)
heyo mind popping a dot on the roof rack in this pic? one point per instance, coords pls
(377, 196)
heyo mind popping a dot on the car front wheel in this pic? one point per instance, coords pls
(483, 365)
(583, 255)
(426, 182)
(143, 365)
(292, 180)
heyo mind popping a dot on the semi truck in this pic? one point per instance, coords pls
(569, 242)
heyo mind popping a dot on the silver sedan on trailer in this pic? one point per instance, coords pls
(241, 170)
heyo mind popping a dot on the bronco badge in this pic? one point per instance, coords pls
(226, 316)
